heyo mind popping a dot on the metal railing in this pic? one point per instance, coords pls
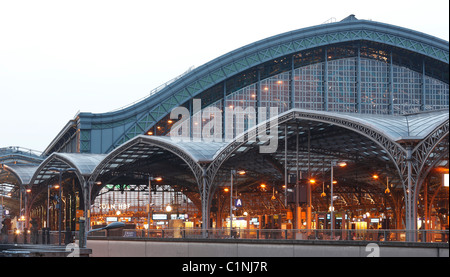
(52, 237)
(282, 234)
(40, 237)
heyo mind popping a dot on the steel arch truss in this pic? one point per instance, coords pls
(430, 151)
(413, 160)
(420, 160)
(43, 176)
(393, 149)
(142, 147)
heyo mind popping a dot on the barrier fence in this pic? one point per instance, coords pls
(285, 234)
(40, 237)
(52, 237)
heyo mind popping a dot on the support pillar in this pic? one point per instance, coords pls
(285, 165)
(205, 205)
(343, 226)
(308, 184)
(87, 213)
(309, 217)
(298, 217)
(425, 212)
(316, 219)
(410, 207)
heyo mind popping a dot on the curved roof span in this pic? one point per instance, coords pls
(122, 125)
(83, 163)
(399, 128)
(23, 173)
(146, 147)
(396, 128)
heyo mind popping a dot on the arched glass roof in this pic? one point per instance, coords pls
(394, 127)
(399, 127)
(23, 173)
(200, 151)
(83, 163)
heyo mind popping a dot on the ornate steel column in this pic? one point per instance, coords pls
(87, 187)
(409, 204)
(206, 203)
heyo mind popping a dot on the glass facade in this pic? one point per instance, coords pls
(407, 90)
(342, 85)
(364, 78)
(308, 87)
(374, 87)
(436, 96)
(131, 206)
(201, 120)
(245, 115)
(275, 92)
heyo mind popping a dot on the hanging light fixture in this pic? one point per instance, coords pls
(387, 191)
(323, 194)
(273, 194)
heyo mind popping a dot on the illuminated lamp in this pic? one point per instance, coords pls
(445, 180)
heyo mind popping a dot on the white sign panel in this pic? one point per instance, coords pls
(238, 203)
(159, 216)
(445, 180)
(118, 206)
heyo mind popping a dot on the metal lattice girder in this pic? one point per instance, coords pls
(392, 149)
(423, 153)
(128, 152)
(83, 164)
(427, 154)
(142, 147)
(401, 154)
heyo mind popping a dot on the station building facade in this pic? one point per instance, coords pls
(370, 93)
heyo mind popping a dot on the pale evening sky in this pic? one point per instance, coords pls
(61, 57)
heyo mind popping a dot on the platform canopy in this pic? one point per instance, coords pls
(84, 164)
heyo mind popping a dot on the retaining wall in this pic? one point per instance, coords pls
(250, 248)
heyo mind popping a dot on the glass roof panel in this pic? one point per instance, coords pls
(24, 172)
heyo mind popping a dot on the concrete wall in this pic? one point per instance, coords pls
(244, 248)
